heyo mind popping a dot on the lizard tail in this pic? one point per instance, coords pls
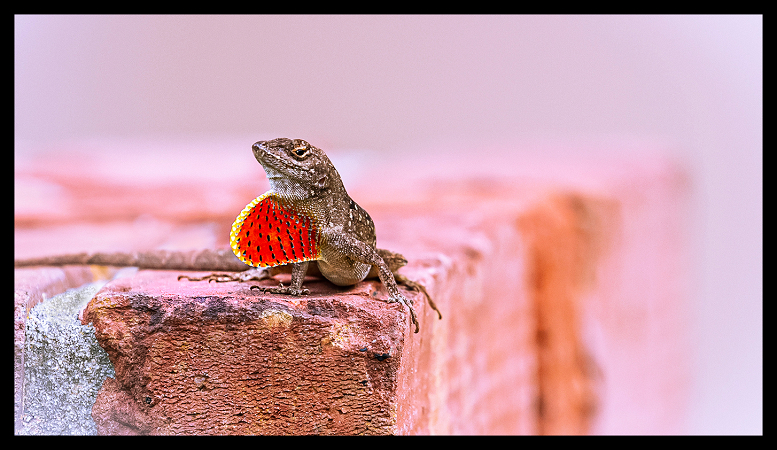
(221, 260)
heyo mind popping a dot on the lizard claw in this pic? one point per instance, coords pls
(412, 315)
(418, 287)
(409, 303)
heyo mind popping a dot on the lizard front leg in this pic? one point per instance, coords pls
(387, 278)
(348, 248)
(395, 261)
(298, 271)
(418, 287)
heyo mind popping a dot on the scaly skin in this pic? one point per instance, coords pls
(305, 187)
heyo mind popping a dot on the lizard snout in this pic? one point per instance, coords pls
(259, 149)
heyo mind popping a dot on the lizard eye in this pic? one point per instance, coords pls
(301, 150)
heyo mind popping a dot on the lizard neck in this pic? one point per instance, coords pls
(323, 203)
(328, 188)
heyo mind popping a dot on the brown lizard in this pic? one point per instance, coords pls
(305, 221)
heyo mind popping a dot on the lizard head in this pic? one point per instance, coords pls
(295, 168)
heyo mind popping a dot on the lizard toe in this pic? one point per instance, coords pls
(217, 277)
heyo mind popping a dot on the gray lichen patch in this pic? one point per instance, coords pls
(64, 366)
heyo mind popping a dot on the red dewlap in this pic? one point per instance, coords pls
(272, 234)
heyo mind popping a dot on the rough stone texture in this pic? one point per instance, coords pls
(31, 287)
(199, 358)
(64, 367)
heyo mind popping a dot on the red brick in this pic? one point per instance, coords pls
(200, 358)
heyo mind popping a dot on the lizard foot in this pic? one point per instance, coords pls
(288, 290)
(253, 274)
(217, 277)
(401, 299)
(418, 287)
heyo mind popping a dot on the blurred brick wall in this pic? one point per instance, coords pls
(561, 282)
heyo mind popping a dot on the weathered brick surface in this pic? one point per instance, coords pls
(200, 358)
(478, 369)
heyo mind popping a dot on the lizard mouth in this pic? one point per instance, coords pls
(274, 165)
(266, 158)
(259, 149)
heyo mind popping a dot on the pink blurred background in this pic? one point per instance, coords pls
(693, 84)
